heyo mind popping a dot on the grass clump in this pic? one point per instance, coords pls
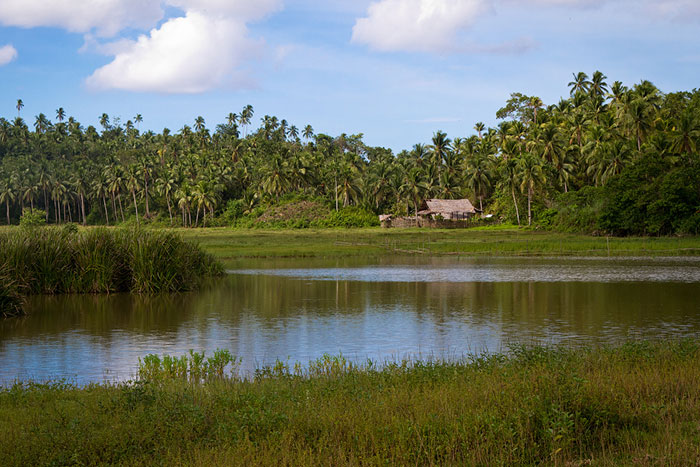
(636, 403)
(61, 260)
(11, 300)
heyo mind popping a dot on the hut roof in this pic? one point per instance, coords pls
(447, 206)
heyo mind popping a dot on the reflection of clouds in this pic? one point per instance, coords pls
(263, 317)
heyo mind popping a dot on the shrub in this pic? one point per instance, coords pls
(348, 217)
(32, 218)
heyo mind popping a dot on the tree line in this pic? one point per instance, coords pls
(607, 157)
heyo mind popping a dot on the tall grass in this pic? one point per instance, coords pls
(58, 260)
(11, 300)
(634, 404)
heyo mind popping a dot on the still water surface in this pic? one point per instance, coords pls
(380, 309)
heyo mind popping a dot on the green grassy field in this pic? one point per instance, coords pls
(635, 404)
(228, 244)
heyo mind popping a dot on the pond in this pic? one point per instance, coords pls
(381, 309)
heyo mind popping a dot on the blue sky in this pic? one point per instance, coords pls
(394, 70)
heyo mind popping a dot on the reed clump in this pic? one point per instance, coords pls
(58, 260)
(11, 300)
(636, 404)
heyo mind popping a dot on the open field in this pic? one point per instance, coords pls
(228, 244)
(634, 404)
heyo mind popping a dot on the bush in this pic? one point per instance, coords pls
(32, 218)
(349, 217)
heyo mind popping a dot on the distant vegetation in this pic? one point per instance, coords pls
(53, 260)
(608, 158)
(634, 404)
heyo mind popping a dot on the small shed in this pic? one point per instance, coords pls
(449, 209)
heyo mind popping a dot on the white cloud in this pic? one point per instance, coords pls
(7, 54)
(190, 54)
(676, 9)
(416, 25)
(105, 17)
(243, 10)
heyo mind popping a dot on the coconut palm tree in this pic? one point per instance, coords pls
(308, 132)
(531, 175)
(7, 196)
(580, 84)
(60, 114)
(479, 175)
(438, 150)
(19, 106)
(479, 127)
(133, 184)
(414, 186)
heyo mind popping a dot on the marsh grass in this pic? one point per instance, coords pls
(229, 245)
(634, 404)
(11, 300)
(58, 260)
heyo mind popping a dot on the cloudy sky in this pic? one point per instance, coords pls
(395, 70)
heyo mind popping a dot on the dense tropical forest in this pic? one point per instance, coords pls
(607, 159)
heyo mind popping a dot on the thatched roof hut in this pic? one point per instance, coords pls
(448, 208)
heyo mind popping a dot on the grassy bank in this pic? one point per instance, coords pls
(227, 244)
(63, 260)
(637, 403)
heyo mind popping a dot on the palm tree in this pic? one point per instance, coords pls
(104, 121)
(597, 86)
(580, 84)
(133, 184)
(441, 145)
(531, 176)
(138, 119)
(535, 104)
(686, 134)
(414, 186)
(7, 195)
(60, 114)
(199, 124)
(246, 117)
(165, 186)
(20, 106)
(639, 119)
(100, 191)
(479, 173)
(479, 127)
(509, 177)
(308, 132)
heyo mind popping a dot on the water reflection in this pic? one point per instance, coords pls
(265, 316)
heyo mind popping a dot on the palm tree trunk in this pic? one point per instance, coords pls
(7, 205)
(46, 204)
(148, 213)
(336, 192)
(515, 203)
(529, 206)
(196, 222)
(82, 207)
(121, 207)
(104, 202)
(136, 207)
(170, 211)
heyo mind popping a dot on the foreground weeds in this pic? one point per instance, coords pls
(635, 404)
